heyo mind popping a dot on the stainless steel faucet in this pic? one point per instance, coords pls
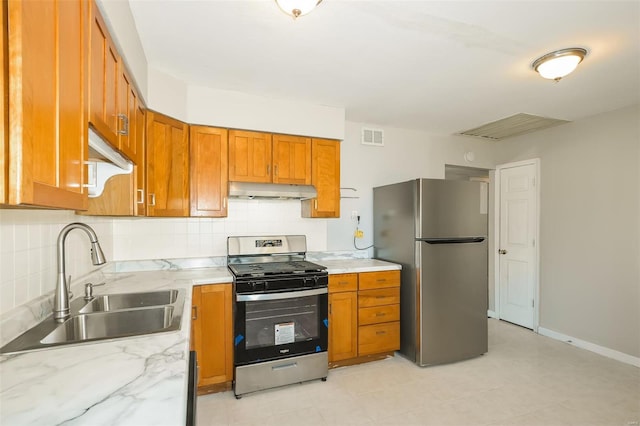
(61, 297)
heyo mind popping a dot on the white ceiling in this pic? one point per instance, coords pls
(439, 66)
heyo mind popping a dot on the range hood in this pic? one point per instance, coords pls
(252, 190)
(104, 162)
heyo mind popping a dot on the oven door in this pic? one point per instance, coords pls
(280, 325)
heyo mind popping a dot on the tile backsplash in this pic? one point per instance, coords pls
(28, 241)
(28, 238)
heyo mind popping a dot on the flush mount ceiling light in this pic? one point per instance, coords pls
(297, 8)
(560, 63)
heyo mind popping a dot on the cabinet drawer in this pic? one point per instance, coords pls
(378, 314)
(382, 279)
(343, 282)
(385, 296)
(378, 338)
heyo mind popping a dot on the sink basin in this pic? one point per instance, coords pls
(108, 316)
(109, 325)
(116, 302)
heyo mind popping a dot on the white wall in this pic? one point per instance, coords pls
(223, 108)
(589, 231)
(406, 154)
(28, 267)
(167, 94)
(250, 112)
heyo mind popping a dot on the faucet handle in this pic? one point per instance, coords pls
(88, 290)
(68, 284)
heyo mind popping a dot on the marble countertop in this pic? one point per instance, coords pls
(127, 381)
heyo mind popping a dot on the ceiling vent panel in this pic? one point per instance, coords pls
(516, 125)
(373, 137)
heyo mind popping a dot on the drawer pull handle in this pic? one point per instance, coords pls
(194, 312)
(381, 280)
(380, 314)
(381, 332)
(283, 366)
(381, 297)
(343, 282)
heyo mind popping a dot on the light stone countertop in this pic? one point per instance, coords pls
(357, 265)
(128, 381)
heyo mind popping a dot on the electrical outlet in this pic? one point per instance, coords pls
(358, 234)
(354, 214)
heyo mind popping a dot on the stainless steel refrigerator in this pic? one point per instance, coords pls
(437, 230)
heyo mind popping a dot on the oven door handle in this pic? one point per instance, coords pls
(280, 296)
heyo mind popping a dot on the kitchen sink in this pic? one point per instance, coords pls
(108, 316)
(116, 302)
(109, 325)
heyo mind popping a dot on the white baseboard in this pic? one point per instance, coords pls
(492, 314)
(600, 350)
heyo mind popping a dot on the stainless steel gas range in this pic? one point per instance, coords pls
(280, 313)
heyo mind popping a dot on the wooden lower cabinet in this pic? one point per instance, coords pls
(364, 316)
(212, 336)
(343, 317)
(378, 338)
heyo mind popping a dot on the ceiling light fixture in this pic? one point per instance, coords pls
(560, 63)
(297, 8)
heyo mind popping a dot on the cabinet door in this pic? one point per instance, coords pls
(141, 164)
(249, 156)
(103, 76)
(126, 117)
(212, 334)
(343, 326)
(325, 176)
(167, 166)
(47, 104)
(4, 135)
(291, 159)
(208, 146)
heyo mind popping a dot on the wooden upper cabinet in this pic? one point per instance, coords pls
(249, 156)
(209, 171)
(325, 176)
(127, 106)
(291, 159)
(167, 166)
(140, 208)
(4, 135)
(47, 104)
(104, 73)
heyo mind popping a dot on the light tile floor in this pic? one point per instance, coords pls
(524, 379)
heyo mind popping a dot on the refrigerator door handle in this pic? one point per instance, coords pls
(460, 240)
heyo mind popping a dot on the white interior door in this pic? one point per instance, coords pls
(517, 251)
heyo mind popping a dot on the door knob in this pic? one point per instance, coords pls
(502, 251)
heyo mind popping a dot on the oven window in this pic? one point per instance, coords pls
(279, 322)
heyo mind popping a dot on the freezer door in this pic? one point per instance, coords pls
(451, 208)
(453, 301)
